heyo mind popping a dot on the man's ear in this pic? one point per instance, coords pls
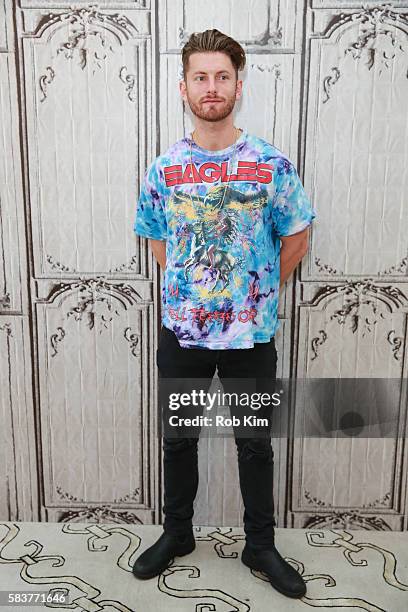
(182, 86)
(238, 90)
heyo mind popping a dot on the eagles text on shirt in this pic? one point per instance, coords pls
(209, 172)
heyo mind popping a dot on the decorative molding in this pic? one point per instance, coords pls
(86, 306)
(88, 19)
(134, 341)
(318, 341)
(267, 41)
(396, 343)
(55, 338)
(45, 80)
(131, 265)
(5, 301)
(56, 265)
(7, 328)
(86, 23)
(372, 24)
(328, 83)
(351, 310)
(373, 15)
(134, 496)
(275, 69)
(96, 291)
(345, 519)
(322, 267)
(382, 501)
(130, 81)
(314, 501)
(124, 293)
(64, 495)
(100, 514)
(401, 267)
(358, 294)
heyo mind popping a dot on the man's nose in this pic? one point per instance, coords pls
(211, 84)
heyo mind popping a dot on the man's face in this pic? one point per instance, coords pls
(210, 86)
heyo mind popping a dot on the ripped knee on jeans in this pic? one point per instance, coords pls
(255, 449)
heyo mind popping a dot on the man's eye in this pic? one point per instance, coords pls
(199, 77)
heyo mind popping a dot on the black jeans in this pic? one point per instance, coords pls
(255, 454)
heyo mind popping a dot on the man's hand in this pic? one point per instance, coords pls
(159, 251)
(293, 249)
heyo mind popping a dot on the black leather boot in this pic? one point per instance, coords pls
(282, 576)
(159, 556)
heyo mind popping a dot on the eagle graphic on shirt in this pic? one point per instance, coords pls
(209, 226)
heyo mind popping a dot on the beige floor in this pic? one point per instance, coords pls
(347, 570)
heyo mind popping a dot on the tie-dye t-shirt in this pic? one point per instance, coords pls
(221, 281)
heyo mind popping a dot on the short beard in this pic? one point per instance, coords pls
(212, 115)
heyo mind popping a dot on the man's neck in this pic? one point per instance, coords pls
(214, 137)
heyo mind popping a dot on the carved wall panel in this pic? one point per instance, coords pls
(263, 28)
(94, 406)
(18, 464)
(88, 108)
(356, 329)
(18, 461)
(356, 135)
(352, 331)
(13, 292)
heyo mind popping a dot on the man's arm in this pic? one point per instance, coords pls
(159, 251)
(293, 249)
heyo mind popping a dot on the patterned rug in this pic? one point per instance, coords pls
(91, 566)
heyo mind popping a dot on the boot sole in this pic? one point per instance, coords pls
(158, 572)
(278, 588)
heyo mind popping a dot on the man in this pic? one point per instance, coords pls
(227, 219)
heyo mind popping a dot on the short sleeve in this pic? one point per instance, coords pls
(292, 209)
(150, 220)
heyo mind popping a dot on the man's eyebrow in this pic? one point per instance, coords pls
(218, 71)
